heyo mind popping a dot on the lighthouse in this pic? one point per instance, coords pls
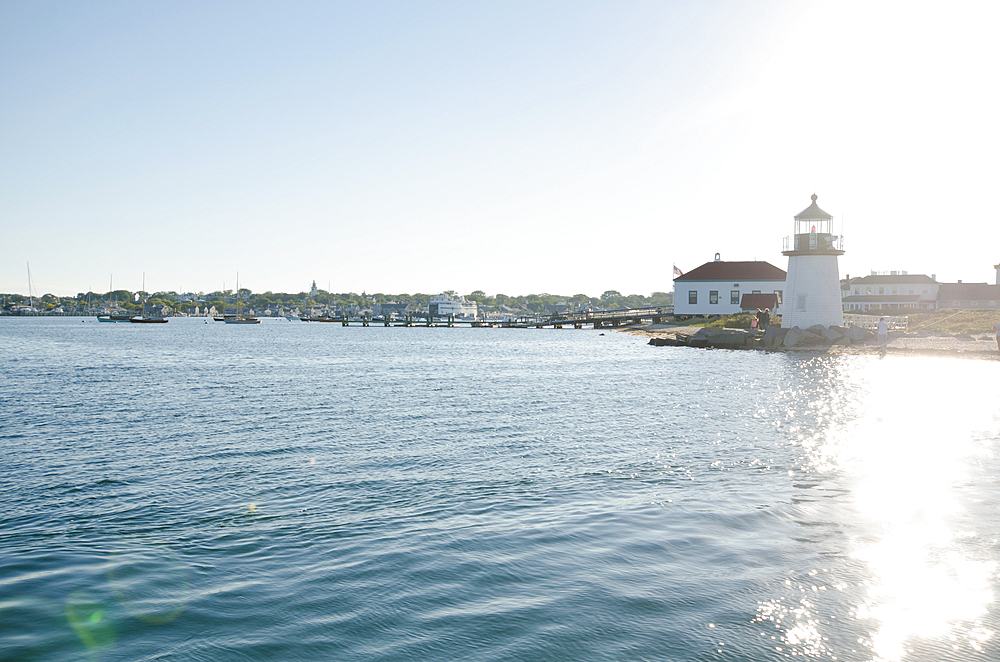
(812, 286)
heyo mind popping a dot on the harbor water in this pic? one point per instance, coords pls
(290, 491)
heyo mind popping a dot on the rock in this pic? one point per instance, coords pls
(963, 336)
(731, 339)
(832, 335)
(842, 330)
(856, 333)
(842, 340)
(699, 338)
(798, 338)
(818, 329)
(774, 336)
(666, 341)
(721, 338)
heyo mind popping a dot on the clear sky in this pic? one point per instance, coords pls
(513, 147)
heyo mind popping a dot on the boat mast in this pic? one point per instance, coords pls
(30, 302)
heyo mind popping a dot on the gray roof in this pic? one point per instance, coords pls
(813, 211)
(899, 279)
(968, 292)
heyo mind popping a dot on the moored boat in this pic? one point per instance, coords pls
(238, 319)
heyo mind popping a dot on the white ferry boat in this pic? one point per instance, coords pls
(442, 305)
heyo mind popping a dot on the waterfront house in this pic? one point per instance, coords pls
(889, 291)
(973, 296)
(717, 287)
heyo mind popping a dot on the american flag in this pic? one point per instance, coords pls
(677, 272)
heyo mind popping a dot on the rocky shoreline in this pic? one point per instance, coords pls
(834, 340)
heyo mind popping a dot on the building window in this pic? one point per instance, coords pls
(756, 292)
(974, 304)
(925, 290)
(777, 296)
(857, 290)
(734, 297)
(956, 304)
(881, 290)
(800, 303)
(993, 303)
(868, 289)
(713, 297)
(693, 297)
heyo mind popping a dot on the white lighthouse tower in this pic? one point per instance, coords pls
(812, 286)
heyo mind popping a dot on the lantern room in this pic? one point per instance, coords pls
(813, 232)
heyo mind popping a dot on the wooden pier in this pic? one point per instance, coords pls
(597, 319)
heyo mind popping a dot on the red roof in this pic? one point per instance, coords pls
(734, 271)
(762, 301)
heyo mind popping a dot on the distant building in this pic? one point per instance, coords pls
(968, 296)
(313, 292)
(896, 290)
(717, 287)
(392, 308)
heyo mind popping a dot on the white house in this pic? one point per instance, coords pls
(889, 291)
(717, 287)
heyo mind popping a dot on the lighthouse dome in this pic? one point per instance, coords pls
(812, 211)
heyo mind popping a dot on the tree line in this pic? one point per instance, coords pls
(220, 299)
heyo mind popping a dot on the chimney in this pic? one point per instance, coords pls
(997, 267)
(959, 280)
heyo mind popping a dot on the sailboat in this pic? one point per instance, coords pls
(144, 319)
(238, 319)
(114, 314)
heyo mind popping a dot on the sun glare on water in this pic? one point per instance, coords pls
(912, 453)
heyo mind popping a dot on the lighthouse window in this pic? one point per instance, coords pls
(713, 296)
(777, 295)
(734, 297)
(800, 303)
(692, 297)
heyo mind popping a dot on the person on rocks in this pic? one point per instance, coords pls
(998, 336)
(765, 319)
(883, 334)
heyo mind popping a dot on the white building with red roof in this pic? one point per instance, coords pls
(717, 287)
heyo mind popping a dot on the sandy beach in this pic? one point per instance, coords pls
(978, 347)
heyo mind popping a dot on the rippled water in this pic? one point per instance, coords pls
(297, 491)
